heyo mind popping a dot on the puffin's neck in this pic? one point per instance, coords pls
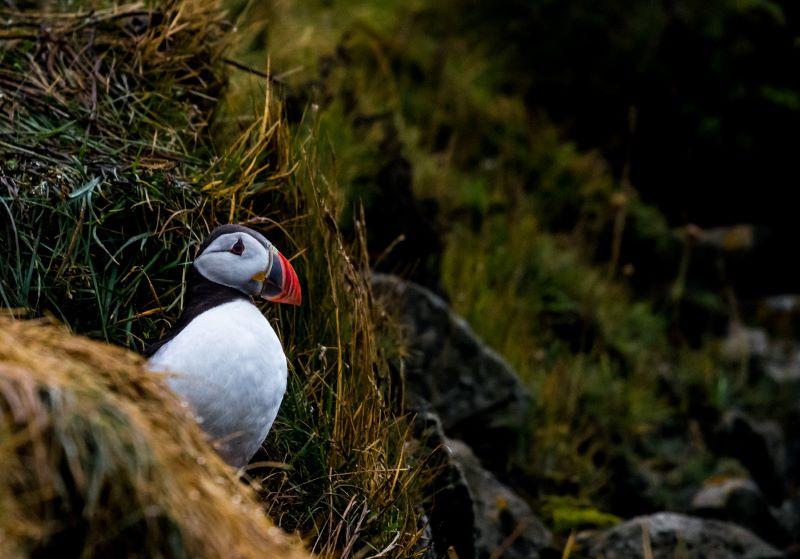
(201, 295)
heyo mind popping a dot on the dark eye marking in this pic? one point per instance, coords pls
(238, 248)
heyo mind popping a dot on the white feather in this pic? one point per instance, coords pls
(231, 369)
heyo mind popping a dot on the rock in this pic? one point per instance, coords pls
(633, 487)
(780, 315)
(758, 445)
(791, 426)
(744, 343)
(472, 512)
(740, 501)
(783, 364)
(667, 535)
(733, 238)
(502, 519)
(447, 495)
(450, 371)
(788, 514)
(779, 359)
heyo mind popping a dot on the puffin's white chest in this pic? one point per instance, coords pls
(231, 368)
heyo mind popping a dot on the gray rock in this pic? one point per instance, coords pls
(450, 371)
(784, 368)
(668, 535)
(779, 359)
(717, 494)
(788, 515)
(740, 501)
(780, 315)
(784, 304)
(505, 525)
(472, 512)
(782, 363)
(744, 343)
(759, 446)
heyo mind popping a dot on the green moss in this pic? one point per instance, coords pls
(566, 514)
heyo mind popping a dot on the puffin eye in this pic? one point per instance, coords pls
(238, 248)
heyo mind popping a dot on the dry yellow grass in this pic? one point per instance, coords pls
(99, 459)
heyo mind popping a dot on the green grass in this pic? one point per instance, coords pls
(107, 128)
(121, 171)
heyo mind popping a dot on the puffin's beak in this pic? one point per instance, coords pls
(281, 284)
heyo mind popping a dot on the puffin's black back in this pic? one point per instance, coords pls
(201, 293)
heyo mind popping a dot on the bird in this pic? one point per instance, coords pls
(224, 358)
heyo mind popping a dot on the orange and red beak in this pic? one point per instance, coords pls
(281, 284)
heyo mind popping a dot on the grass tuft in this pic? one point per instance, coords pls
(99, 459)
(103, 126)
(345, 478)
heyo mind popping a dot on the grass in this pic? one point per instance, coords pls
(105, 119)
(345, 478)
(123, 168)
(99, 459)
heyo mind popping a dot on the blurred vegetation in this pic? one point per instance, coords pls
(509, 155)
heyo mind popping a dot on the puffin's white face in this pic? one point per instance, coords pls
(235, 260)
(243, 259)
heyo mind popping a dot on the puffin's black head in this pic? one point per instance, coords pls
(238, 257)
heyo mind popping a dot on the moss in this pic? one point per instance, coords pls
(566, 514)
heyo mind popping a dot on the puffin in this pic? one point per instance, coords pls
(224, 358)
